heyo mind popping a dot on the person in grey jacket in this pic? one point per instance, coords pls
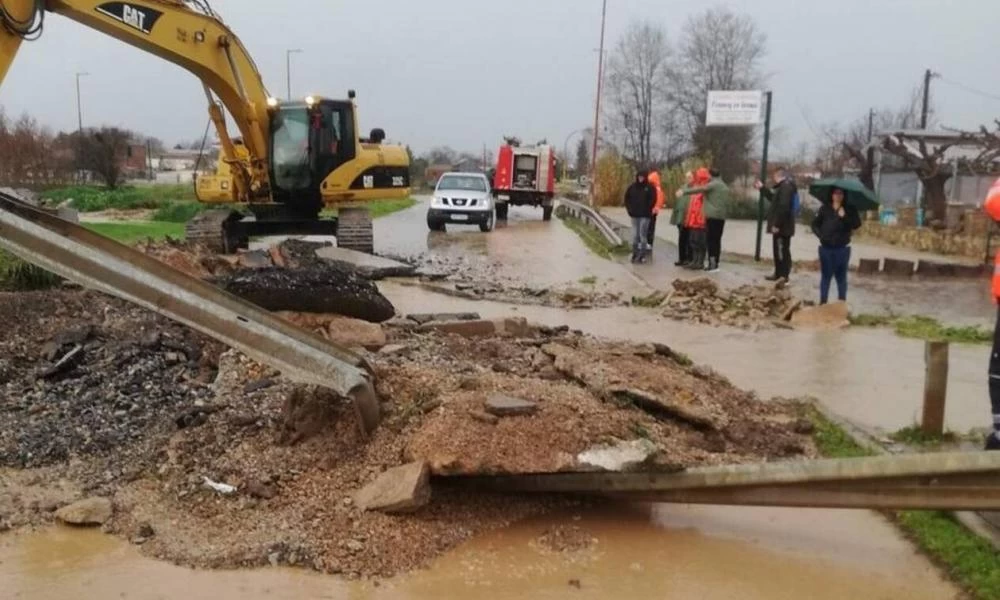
(781, 222)
(716, 207)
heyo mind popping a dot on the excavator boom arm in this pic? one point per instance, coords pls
(175, 31)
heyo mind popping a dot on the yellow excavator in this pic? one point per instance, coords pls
(291, 159)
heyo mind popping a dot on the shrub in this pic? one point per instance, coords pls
(612, 178)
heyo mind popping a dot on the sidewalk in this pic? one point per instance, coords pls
(740, 238)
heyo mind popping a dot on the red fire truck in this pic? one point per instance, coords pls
(524, 176)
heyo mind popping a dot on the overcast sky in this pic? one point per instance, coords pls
(463, 73)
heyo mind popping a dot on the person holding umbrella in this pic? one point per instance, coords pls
(838, 216)
(992, 208)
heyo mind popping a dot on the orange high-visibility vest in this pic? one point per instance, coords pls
(992, 208)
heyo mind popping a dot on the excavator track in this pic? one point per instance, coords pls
(209, 228)
(355, 230)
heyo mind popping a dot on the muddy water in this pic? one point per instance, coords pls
(637, 552)
(870, 376)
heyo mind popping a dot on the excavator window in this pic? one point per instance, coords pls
(290, 149)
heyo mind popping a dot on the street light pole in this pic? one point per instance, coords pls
(288, 70)
(79, 104)
(79, 124)
(597, 104)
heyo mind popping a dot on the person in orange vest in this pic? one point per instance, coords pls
(696, 224)
(655, 181)
(992, 208)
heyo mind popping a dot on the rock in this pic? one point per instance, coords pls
(803, 426)
(513, 326)
(659, 406)
(368, 265)
(484, 417)
(258, 384)
(345, 331)
(397, 490)
(869, 266)
(897, 268)
(623, 456)
(479, 328)
(794, 306)
(508, 406)
(393, 349)
(573, 295)
(90, 511)
(354, 546)
(255, 259)
(422, 318)
(825, 316)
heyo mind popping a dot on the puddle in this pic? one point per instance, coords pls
(638, 552)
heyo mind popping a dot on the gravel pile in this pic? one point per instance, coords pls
(702, 301)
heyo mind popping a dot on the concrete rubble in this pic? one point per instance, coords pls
(703, 301)
(622, 456)
(400, 489)
(90, 511)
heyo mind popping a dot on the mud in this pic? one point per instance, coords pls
(621, 552)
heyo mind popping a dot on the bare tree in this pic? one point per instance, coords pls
(104, 152)
(930, 162)
(719, 50)
(638, 78)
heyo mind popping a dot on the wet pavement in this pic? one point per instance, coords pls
(634, 552)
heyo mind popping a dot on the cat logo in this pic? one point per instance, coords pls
(137, 17)
(369, 181)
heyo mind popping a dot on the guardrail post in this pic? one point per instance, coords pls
(935, 387)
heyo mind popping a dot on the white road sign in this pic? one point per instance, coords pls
(734, 108)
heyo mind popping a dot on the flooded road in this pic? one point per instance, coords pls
(635, 552)
(870, 376)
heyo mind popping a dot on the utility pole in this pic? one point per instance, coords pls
(763, 174)
(928, 75)
(288, 71)
(871, 124)
(597, 104)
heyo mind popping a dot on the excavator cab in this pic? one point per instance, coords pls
(309, 141)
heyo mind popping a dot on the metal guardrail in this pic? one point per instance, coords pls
(97, 262)
(938, 481)
(592, 218)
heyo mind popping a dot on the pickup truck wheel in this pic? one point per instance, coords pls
(435, 225)
(488, 225)
(546, 213)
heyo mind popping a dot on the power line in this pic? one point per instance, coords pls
(970, 89)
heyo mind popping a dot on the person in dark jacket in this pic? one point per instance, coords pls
(833, 226)
(781, 223)
(640, 198)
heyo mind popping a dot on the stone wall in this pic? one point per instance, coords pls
(928, 240)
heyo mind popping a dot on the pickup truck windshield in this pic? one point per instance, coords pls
(465, 183)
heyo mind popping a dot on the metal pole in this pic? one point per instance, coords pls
(763, 177)
(597, 104)
(79, 124)
(288, 71)
(927, 98)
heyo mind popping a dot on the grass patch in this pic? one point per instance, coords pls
(915, 436)
(588, 280)
(129, 233)
(92, 198)
(831, 440)
(179, 212)
(594, 240)
(15, 274)
(969, 560)
(925, 328)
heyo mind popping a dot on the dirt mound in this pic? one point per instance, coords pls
(324, 288)
(294, 462)
(702, 301)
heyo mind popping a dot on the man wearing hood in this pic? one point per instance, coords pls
(639, 202)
